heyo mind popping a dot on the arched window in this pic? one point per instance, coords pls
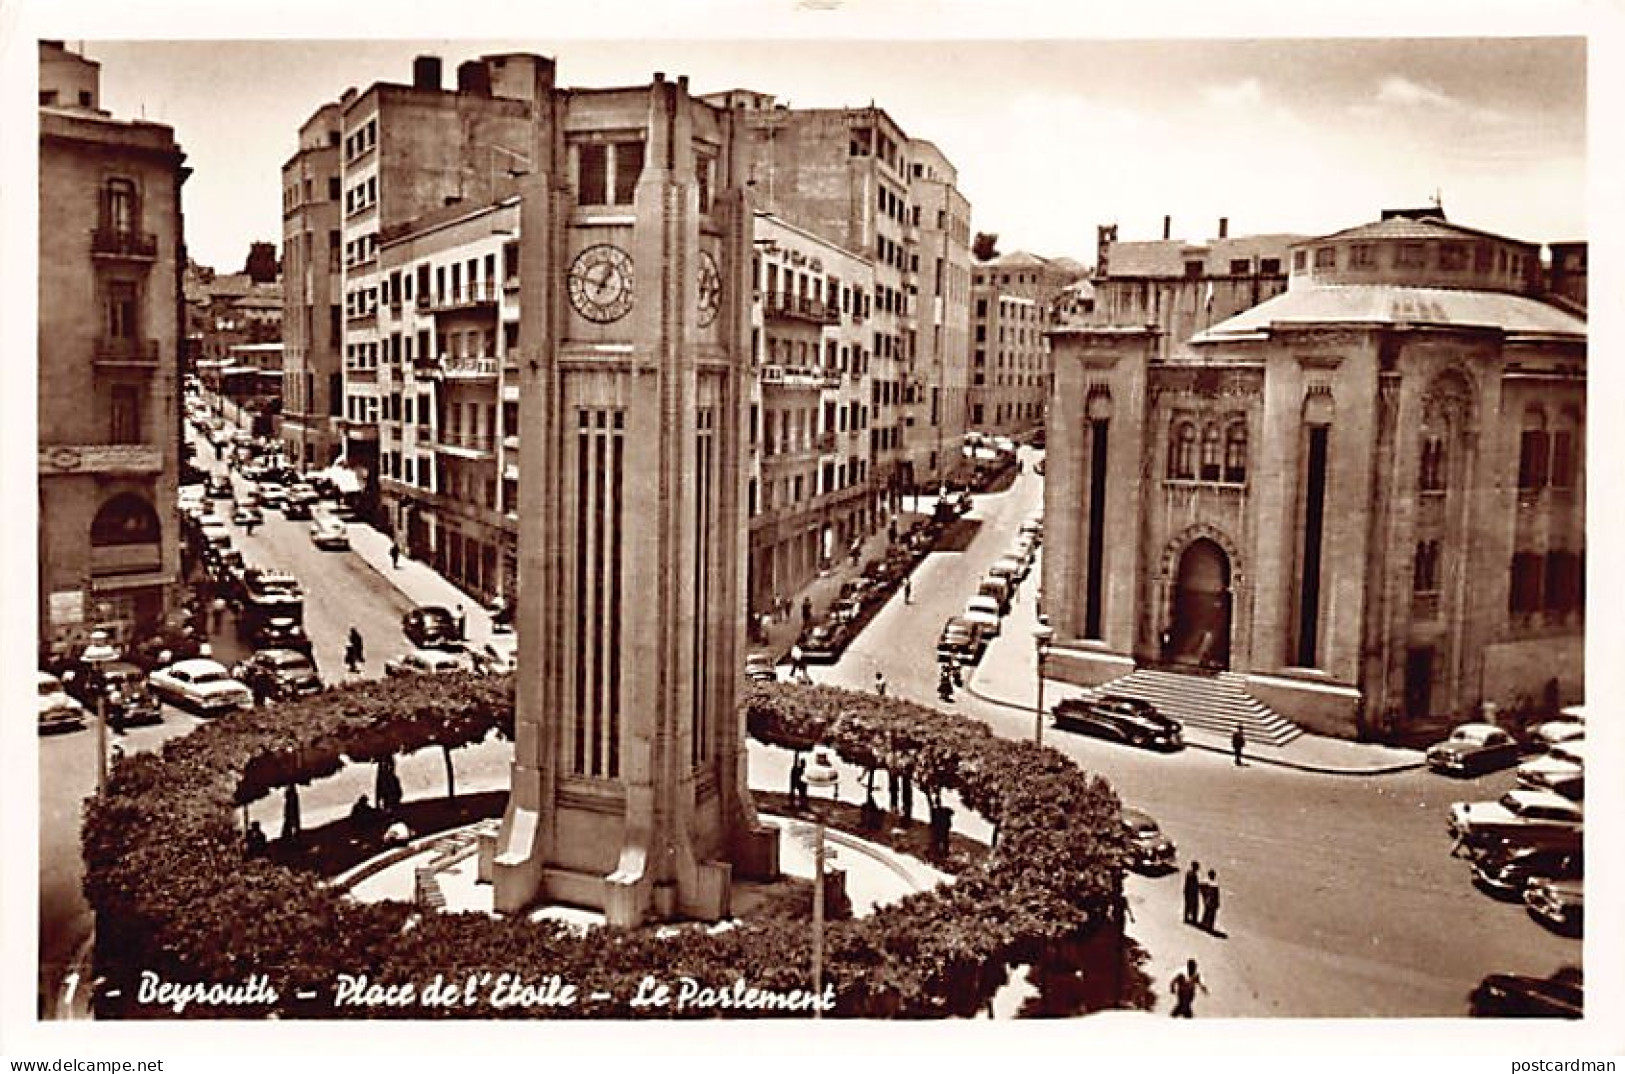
(1212, 453)
(1182, 452)
(1534, 452)
(125, 519)
(119, 214)
(1431, 477)
(1235, 453)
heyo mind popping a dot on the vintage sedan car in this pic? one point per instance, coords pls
(426, 662)
(280, 674)
(961, 640)
(272, 495)
(129, 699)
(431, 627)
(1507, 869)
(57, 710)
(1130, 720)
(1557, 902)
(280, 632)
(1521, 815)
(759, 667)
(498, 656)
(218, 487)
(1544, 736)
(1472, 749)
(246, 514)
(1517, 995)
(823, 643)
(1563, 766)
(200, 684)
(329, 532)
(1149, 850)
(1011, 567)
(983, 611)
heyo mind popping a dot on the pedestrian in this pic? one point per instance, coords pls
(880, 684)
(394, 555)
(462, 624)
(798, 665)
(1238, 742)
(1193, 892)
(1210, 902)
(806, 612)
(354, 653)
(248, 527)
(290, 812)
(254, 841)
(1184, 989)
(945, 685)
(798, 782)
(891, 531)
(908, 590)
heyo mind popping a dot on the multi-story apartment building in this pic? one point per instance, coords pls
(406, 150)
(847, 175)
(939, 236)
(111, 251)
(1014, 301)
(810, 407)
(448, 318)
(1365, 495)
(313, 295)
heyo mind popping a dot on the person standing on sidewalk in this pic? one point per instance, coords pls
(880, 684)
(1210, 903)
(1238, 742)
(806, 612)
(1193, 893)
(354, 655)
(908, 590)
(462, 624)
(394, 555)
(1184, 989)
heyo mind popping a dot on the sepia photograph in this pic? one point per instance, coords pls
(811, 513)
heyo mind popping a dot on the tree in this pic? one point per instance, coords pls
(985, 247)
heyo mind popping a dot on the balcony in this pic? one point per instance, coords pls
(824, 443)
(127, 352)
(472, 296)
(467, 369)
(466, 445)
(778, 376)
(136, 459)
(793, 307)
(132, 245)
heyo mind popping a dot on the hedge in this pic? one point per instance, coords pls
(179, 903)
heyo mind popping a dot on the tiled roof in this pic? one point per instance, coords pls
(1167, 257)
(1516, 315)
(1407, 227)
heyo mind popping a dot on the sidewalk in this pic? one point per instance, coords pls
(419, 582)
(1007, 677)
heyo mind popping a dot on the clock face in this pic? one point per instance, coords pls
(710, 289)
(601, 283)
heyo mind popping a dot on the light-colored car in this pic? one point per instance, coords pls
(247, 514)
(1473, 748)
(426, 662)
(1555, 732)
(1559, 903)
(328, 532)
(1517, 814)
(200, 684)
(57, 709)
(498, 656)
(1560, 765)
(983, 610)
(1011, 567)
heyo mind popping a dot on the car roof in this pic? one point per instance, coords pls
(45, 678)
(280, 654)
(1527, 797)
(1137, 816)
(196, 665)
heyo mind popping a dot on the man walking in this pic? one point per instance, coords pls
(806, 612)
(462, 624)
(1238, 742)
(1193, 892)
(394, 555)
(354, 655)
(1184, 989)
(908, 590)
(1210, 902)
(880, 684)
(798, 782)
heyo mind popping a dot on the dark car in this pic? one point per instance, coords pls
(431, 627)
(1516, 995)
(1148, 848)
(280, 632)
(1472, 749)
(124, 684)
(1557, 903)
(219, 487)
(1508, 868)
(279, 674)
(823, 643)
(1126, 719)
(961, 640)
(759, 667)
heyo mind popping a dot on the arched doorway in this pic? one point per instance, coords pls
(1199, 634)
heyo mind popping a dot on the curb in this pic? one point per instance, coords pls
(1301, 766)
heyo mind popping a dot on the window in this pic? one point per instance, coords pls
(1562, 583)
(125, 414)
(1453, 256)
(1270, 266)
(628, 167)
(1326, 257)
(1193, 270)
(1562, 459)
(1524, 595)
(1431, 477)
(1425, 574)
(1210, 453)
(119, 215)
(122, 310)
(592, 170)
(1240, 266)
(1362, 255)
(1532, 460)
(1411, 255)
(1182, 452)
(1235, 453)
(1300, 259)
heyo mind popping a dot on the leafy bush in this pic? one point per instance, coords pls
(175, 895)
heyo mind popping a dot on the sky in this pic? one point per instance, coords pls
(1052, 136)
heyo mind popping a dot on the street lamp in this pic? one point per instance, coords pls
(821, 773)
(1042, 633)
(97, 654)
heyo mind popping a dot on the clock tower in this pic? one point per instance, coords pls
(628, 787)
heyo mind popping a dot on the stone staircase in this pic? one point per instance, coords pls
(1214, 703)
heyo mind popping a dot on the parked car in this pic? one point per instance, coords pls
(759, 667)
(280, 674)
(822, 644)
(846, 609)
(1557, 902)
(431, 627)
(1008, 567)
(329, 532)
(1519, 814)
(200, 684)
(961, 640)
(1544, 736)
(426, 662)
(498, 656)
(1472, 749)
(300, 501)
(1562, 765)
(57, 710)
(129, 699)
(1517, 995)
(1034, 528)
(1130, 720)
(246, 514)
(272, 495)
(1149, 849)
(219, 487)
(984, 611)
(999, 588)
(1507, 869)
(279, 632)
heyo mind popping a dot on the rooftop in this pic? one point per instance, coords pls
(1515, 315)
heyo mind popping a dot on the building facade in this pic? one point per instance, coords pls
(1014, 300)
(313, 292)
(1364, 495)
(938, 232)
(810, 406)
(111, 251)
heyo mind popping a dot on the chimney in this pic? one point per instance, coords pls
(426, 73)
(1167, 227)
(1224, 227)
(474, 78)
